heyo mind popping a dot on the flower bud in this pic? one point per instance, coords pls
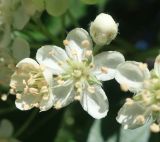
(103, 29)
(90, 1)
(56, 7)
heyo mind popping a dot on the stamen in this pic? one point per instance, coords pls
(74, 52)
(91, 89)
(155, 128)
(139, 119)
(33, 91)
(155, 108)
(124, 87)
(146, 98)
(60, 82)
(129, 102)
(85, 43)
(104, 69)
(51, 53)
(66, 42)
(79, 90)
(142, 66)
(18, 96)
(24, 82)
(77, 73)
(36, 105)
(44, 89)
(77, 97)
(26, 106)
(45, 97)
(88, 53)
(58, 105)
(78, 84)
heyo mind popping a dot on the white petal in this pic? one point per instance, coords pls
(79, 42)
(47, 104)
(6, 36)
(132, 75)
(27, 101)
(74, 51)
(107, 61)
(52, 57)
(63, 94)
(48, 76)
(6, 128)
(128, 114)
(157, 66)
(96, 104)
(78, 35)
(28, 61)
(20, 48)
(20, 18)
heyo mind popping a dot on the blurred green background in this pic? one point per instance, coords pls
(138, 39)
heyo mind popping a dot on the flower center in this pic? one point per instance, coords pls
(79, 70)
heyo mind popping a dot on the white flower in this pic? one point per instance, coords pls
(7, 66)
(146, 103)
(32, 86)
(6, 132)
(103, 29)
(77, 75)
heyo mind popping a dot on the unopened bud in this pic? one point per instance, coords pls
(103, 29)
(90, 1)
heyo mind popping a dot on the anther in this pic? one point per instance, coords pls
(66, 42)
(88, 53)
(104, 69)
(85, 43)
(124, 87)
(155, 128)
(58, 105)
(91, 89)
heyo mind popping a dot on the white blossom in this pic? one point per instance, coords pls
(103, 29)
(32, 85)
(77, 74)
(145, 104)
(7, 66)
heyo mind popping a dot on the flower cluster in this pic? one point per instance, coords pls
(66, 75)
(145, 104)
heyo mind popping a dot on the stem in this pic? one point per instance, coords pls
(118, 135)
(26, 124)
